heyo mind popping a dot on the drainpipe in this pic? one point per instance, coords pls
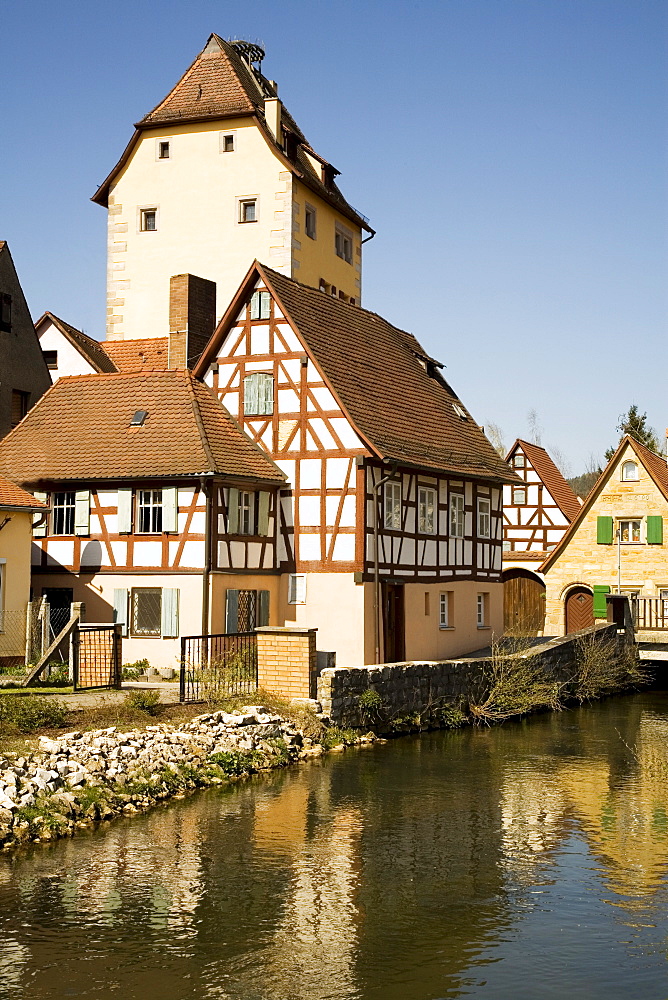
(376, 571)
(619, 558)
(206, 487)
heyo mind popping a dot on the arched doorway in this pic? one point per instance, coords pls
(579, 606)
(523, 602)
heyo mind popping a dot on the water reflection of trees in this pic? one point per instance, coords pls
(354, 876)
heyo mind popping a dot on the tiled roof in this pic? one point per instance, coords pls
(561, 492)
(92, 350)
(147, 354)
(80, 430)
(220, 84)
(374, 369)
(14, 496)
(656, 467)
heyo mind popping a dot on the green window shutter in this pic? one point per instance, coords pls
(82, 512)
(121, 607)
(232, 511)
(654, 530)
(232, 611)
(600, 605)
(263, 607)
(170, 509)
(169, 613)
(124, 511)
(604, 530)
(263, 513)
(39, 530)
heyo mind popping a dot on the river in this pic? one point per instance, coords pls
(524, 861)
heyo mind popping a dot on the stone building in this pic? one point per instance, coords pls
(615, 543)
(24, 376)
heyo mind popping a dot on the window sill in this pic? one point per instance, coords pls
(248, 222)
(483, 628)
(446, 628)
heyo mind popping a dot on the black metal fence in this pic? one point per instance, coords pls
(97, 656)
(650, 613)
(217, 666)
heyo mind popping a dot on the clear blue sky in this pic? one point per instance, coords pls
(510, 153)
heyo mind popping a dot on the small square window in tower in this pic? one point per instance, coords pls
(163, 150)
(309, 221)
(343, 244)
(148, 220)
(227, 142)
(248, 210)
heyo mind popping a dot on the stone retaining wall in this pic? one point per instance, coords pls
(406, 688)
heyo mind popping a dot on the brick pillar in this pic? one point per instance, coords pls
(192, 318)
(287, 661)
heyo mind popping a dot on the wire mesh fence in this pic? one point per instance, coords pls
(14, 631)
(217, 666)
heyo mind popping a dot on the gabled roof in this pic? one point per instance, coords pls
(561, 492)
(92, 350)
(14, 496)
(402, 412)
(80, 430)
(221, 84)
(655, 466)
(144, 354)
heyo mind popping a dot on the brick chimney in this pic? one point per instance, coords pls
(192, 318)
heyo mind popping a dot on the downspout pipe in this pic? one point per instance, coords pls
(207, 486)
(376, 570)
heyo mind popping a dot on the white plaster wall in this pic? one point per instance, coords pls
(335, 606)
(70, 361)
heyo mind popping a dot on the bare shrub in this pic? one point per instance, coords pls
(514, 683)
(601, 668)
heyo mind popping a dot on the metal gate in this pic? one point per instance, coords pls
(96, 656)
(217, 666)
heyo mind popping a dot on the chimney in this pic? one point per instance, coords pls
(192, 318)
(272, 114)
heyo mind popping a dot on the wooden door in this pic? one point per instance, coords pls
(523, 603)
(579, 609)
(394, 645)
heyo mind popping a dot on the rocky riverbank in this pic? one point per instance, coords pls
(82, 778)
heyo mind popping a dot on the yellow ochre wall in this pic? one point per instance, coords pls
(195, 193)
(584, 561)
(15, 540)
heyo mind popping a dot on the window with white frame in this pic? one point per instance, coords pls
(426, 510)
(297, 588)
(162, 149)
(631, 530)
(392, 506)
(343, 244)
(148, 220)
(62, 518)
(630, 472)
(481, 610)
(309, 221)
(519, 495)
(248, 210)
(456, 515)
(260, 305)
(246, 513)
(227, 142)
(445, 618)
(149, 512)
(484, 517)
(258, 394)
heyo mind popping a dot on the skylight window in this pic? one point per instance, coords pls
(460, 411)
(139, 418)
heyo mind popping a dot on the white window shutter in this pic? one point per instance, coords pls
(263, 607)
(251, 398)
(82, 512)
(232, 511)
(121, 607)
(255, 305)
(170, 613)
(263, 513)
(124, 511)
(170, 509)
(232, 611)
(266, 394)
(39, 530)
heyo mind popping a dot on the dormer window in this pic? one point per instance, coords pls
(630, 472)
(290, 145)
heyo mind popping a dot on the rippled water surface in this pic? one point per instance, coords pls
(528, 861)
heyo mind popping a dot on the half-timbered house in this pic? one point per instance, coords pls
(390, 530)
(162, 511)
(536, 513)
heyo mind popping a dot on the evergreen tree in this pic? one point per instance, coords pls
(635, 425)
